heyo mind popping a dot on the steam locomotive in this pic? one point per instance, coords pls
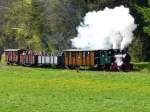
(109, 60)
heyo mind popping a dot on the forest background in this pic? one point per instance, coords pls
(48, 25)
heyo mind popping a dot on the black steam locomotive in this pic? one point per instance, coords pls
(109, 60)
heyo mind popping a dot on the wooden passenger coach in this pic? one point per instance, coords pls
(77, 57)
(12, 55)
(28, 59)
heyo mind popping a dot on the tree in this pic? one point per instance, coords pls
(4, 7)
(18, 31)
(140, 45)
(57, 21)
(48, 25)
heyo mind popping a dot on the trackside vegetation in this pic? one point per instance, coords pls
(55, 90)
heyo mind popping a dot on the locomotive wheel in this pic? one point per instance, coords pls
(127, 67)
(114, 67)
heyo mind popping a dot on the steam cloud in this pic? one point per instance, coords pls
(107, 29)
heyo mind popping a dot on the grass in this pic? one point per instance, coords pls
(25, 89)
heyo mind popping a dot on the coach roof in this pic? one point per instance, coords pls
(13, 50)
(68, 50)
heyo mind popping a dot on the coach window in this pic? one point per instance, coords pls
(78, 53)
(67, 53)
(103, 53)
(110, 53)
(73, 54)
(86, 53)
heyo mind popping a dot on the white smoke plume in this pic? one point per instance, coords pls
(107, 29)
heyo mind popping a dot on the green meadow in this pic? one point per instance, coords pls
(24, 89)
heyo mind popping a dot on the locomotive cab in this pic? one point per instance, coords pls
(103, 59)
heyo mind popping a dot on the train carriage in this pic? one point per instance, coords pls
(104, 59)
(46, 60)
(28, 59)
(76, 57)
(12, 55)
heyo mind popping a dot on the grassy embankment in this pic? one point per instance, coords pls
(46, 90)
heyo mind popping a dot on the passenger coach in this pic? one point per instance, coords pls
(12, 55)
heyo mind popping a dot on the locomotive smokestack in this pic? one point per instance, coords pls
(107, 29)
